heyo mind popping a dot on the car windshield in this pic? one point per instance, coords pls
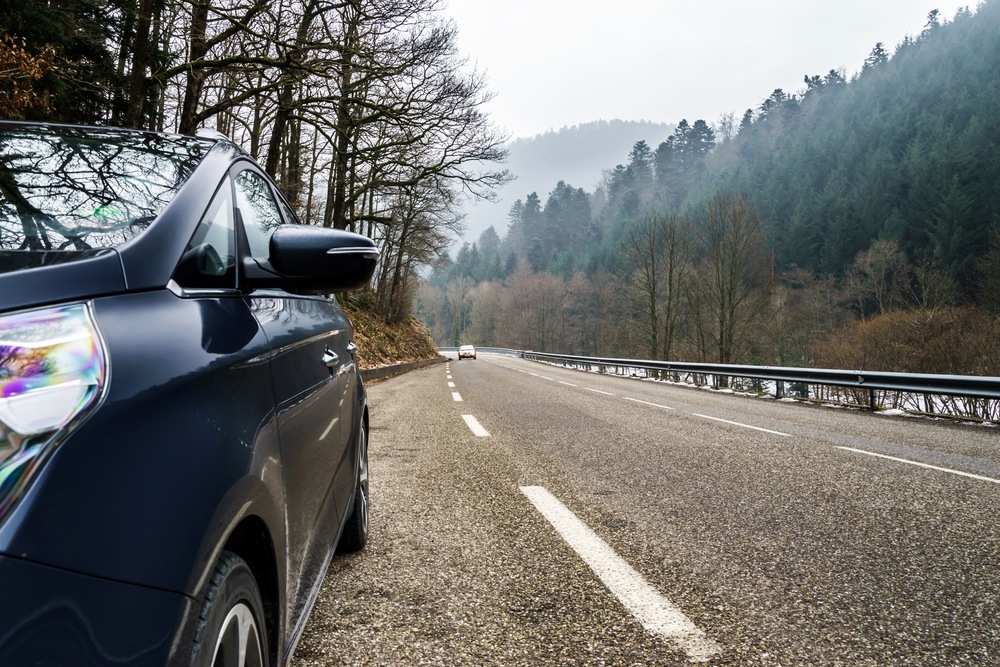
(78, 189)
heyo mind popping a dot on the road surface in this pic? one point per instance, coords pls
(524, 514)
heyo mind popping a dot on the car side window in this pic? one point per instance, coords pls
(210, 257)
(258, 210)
(290, 215)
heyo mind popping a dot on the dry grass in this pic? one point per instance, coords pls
(381, 344)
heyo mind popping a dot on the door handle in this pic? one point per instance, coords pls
(330, 358)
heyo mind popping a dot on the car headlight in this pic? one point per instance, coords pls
(52, 371)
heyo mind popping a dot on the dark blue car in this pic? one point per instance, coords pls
(183, 429)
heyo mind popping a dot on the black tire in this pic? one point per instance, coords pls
(355, 535)
(233, 603)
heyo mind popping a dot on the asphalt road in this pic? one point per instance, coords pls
(580, 519)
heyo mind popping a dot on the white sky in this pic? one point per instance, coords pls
(559, 63)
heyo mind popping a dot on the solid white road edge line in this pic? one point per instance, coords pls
(922, 465)
(655, 612)
(475, 426)
(756, 428)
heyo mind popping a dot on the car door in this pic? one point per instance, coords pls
(309, 338)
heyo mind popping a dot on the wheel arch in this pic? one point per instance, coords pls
(252, 541)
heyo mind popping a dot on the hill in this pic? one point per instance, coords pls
(861, 200)
(904, 150)
(577, 155)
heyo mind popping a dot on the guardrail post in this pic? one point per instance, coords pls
(872, 400)
(779, 389)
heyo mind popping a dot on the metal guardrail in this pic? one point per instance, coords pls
(971, 397)
(857, 383)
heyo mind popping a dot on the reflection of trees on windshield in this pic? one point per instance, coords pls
(67, 189)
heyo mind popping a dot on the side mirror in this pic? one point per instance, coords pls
(318, 260)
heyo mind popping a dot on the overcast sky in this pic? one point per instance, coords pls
(559, 63)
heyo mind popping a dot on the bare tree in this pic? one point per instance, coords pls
(418, 233)
(489, 319)
(430, 309)
(736, 276)
(876, 281)
(659, 251)
(459, 304)
(362, 111)
(405, 109)
(805, 309)
(642, 247)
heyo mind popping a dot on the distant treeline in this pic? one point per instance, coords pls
(819, 228)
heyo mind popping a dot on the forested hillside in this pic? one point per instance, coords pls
(851, 223)
(578, 155)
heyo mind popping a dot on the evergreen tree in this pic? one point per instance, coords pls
(82, 33)
(679, 161)
(514, 242)
(878, 56)
(489, 249)
(567, 220)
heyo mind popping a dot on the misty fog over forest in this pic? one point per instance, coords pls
(852, 223)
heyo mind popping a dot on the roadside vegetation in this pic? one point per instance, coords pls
(382, 343)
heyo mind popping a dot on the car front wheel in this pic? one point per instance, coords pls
(355, 535)
(230, 629)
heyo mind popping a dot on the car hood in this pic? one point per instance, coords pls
(31, 279)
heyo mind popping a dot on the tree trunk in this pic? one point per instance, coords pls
(138, 89)
(195, 75)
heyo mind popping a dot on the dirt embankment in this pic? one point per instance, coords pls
(383, 344)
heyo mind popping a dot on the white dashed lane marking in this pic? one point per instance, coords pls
(655, 612)
(756, 428)
(655, 405)
(475, 426)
